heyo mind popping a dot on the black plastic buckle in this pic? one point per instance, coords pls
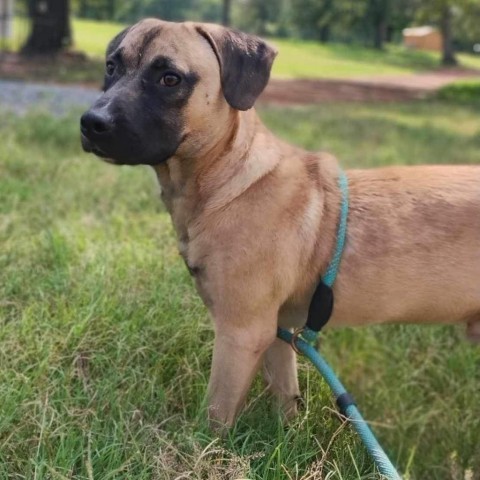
(321, 307)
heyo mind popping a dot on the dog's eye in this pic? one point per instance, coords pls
(170, 80)
(110, 68)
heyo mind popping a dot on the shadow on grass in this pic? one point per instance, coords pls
(466, 93)
(64, 68)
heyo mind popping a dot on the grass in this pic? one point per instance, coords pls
(466, 92)
(297, 58)
(307, 59)
(300, 58)
(105, 347)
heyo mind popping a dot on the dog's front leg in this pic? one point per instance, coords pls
(237, 356)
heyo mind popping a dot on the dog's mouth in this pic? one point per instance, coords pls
(98, 152)
(90, 147)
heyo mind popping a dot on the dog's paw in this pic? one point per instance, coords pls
(217, 422)
(291, 407)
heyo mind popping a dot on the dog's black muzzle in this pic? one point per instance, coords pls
(106, 130)
(130, 126)
(97, 127)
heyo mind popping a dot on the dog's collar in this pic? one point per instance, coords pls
(321, 305)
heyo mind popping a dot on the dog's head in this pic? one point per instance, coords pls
(170, 89)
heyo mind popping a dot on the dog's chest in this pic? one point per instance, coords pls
(183, 214)
(178, 198)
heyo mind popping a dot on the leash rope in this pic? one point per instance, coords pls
(302, 340)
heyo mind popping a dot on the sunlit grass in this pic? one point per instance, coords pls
(93, 37)
(466, 92)
(298, 58)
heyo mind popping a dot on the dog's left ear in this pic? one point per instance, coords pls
(245, 63)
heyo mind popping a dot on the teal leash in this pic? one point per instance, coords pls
(350, 410)
(302, 341)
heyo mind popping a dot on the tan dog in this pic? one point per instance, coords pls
(256, 218)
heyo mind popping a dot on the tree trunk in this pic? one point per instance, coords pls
(380, 34)
(6, 19)
(262, 18)
(83, 8)
(50, 27)
(448, 57)
(389, 33)
(111, 9)
(324, 34)
(326, 20)
(226, 13)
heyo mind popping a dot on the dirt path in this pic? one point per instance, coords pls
(21, 96)
(382, 88)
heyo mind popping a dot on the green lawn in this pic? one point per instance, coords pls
(105, 347)
(466, 92)
(297, 58)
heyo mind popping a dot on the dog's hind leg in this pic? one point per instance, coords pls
(280, 374)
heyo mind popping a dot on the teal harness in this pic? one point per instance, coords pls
(302, 341)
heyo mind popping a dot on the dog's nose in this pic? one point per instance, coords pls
(95, 122)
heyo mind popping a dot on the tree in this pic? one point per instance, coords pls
(441, 12)
(402, 15)
(344, 20)
(378, 11)
(382, 18)
(50, 27)
(448, 54)
(467, 25)
(314, 18)
(258, 16)
(227, 12)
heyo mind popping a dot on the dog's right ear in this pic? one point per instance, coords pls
(116, 41)
(245, 63)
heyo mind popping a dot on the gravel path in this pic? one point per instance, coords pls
(19, 97)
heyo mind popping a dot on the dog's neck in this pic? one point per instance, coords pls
(212, 178)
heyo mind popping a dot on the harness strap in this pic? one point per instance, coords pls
(321, 305)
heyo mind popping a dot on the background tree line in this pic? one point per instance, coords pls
(368, 22)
